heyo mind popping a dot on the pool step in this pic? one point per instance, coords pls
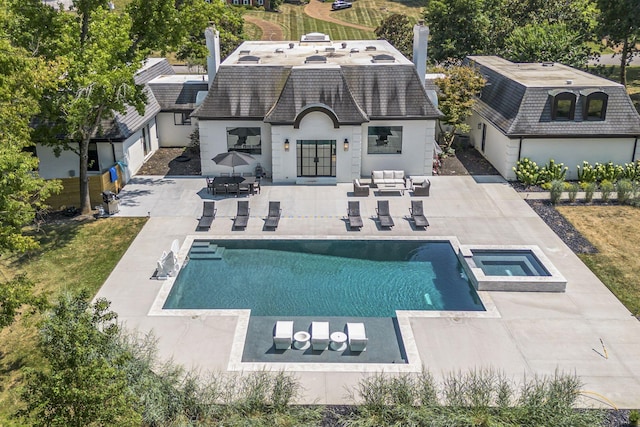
(205, 250)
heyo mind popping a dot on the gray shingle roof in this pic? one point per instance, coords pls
(355, 93)
(518, 109)
(122, 126)
(309, 86)
(178, 96)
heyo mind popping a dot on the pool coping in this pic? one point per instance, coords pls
(403, 316)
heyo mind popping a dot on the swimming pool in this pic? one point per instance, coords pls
(354, 278)
(508, 263)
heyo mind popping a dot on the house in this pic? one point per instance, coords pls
(255, 3)
(318, 111)
(551, 111)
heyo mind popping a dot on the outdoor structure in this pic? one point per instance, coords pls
(317, 111)
(256, 3)
(551, 111)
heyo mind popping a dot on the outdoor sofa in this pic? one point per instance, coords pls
(387, 177)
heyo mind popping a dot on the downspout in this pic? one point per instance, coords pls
(519, 148)
(635, 147)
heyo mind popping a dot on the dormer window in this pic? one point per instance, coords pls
(594, 105)
(563, 106)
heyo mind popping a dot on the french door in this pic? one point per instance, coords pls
(316, 157)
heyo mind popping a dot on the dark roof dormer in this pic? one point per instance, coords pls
(563, 104)
(594, 104)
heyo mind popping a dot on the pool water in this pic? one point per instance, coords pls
(508, 263)
(323, 278)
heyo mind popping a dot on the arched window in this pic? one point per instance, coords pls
(594, 105)
(563, 105)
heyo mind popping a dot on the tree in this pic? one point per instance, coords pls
(397, 30)
(546, 43)
(457, 27)
(155, 25)
(620, 26)
(83, 382)
(195, 16)
(458, 90)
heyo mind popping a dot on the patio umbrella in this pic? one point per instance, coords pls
(233, 159)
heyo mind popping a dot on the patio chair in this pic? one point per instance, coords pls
(283, 335)
(233, 188)
(353, 214)
(319, 336)
(246, 174)
(357, 337)
(225, 174)
(383, 214)
(422, 189)
(209, 185)
(242, 217)
(245, 187)
(208, 215)
(219, 188)
(417, 214)
(360, 190)
(273, 218)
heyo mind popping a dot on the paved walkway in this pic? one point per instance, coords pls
(270, 31)
(524, 334)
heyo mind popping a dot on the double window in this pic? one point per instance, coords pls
(593, 103)
(384, 140)
(180, 119)
(245, 139)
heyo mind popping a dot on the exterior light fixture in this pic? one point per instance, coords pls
(479, 126)
(346, 144)
(286, 144)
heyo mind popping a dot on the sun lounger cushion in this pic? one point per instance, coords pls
(320, 335)
(357, 337)
(283, 335)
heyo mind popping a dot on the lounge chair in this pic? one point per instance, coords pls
(319, 336)
(383, 214)
(273, 218)
(283, 335)
(417, 214)
(242, 217)
(422, 189)
(208, 215)
(357, 337)
(353, 214)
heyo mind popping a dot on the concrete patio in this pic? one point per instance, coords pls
(524, 334)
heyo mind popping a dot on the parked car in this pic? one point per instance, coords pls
(341, 4)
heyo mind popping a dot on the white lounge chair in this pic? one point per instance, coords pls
(319, 336)
(283, 335)
(357, 337)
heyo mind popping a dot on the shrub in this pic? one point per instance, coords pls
(608, 172)
(586, 173)
(631, 171)
(624, 189)
(572, 191)
(557, 187)
(553, 171)
(589, 189)
(527, 172)
(634, 417)
(606, 188)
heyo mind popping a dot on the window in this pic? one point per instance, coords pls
(236, 1)
(181, 119)
(246, 2)
(384, 140)
(93, 163)
(260, 2)
(563, 106)
(248, 140)
(594, 105)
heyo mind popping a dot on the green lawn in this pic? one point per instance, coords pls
(72, 256)
(371, 12)
(294, 23)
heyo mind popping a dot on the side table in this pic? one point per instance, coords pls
(338, 341)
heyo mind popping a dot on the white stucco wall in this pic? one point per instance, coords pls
(172, 135)
(213, 141)
(133, 150)
(67, 164)
(418, 138)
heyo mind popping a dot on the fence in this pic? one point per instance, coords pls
(70, 193)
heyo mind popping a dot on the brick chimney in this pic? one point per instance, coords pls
(420, 38)
(212, 37)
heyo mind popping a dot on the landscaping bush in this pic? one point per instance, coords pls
(634, 417)
(553, 171)
(572, 191)
(589, 189)
(608, 172)
(631, 171)
(624, 189)
(557, 187)
(528, 172)
(586, 173)
(606, 188)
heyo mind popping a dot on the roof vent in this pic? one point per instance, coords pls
(355, 50)
(344, 45)
(244, 52)
(330, 49)
(291, 45)
(279, 50)
(569, 82)
(384, 58)
(370, 48)
(249, 59)
(316, 59)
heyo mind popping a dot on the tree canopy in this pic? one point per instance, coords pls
(397, 30)
(620, 26)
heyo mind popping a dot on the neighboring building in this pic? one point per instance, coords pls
(129, 139)
(317, 111)
(551, 111)
(255, 3)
